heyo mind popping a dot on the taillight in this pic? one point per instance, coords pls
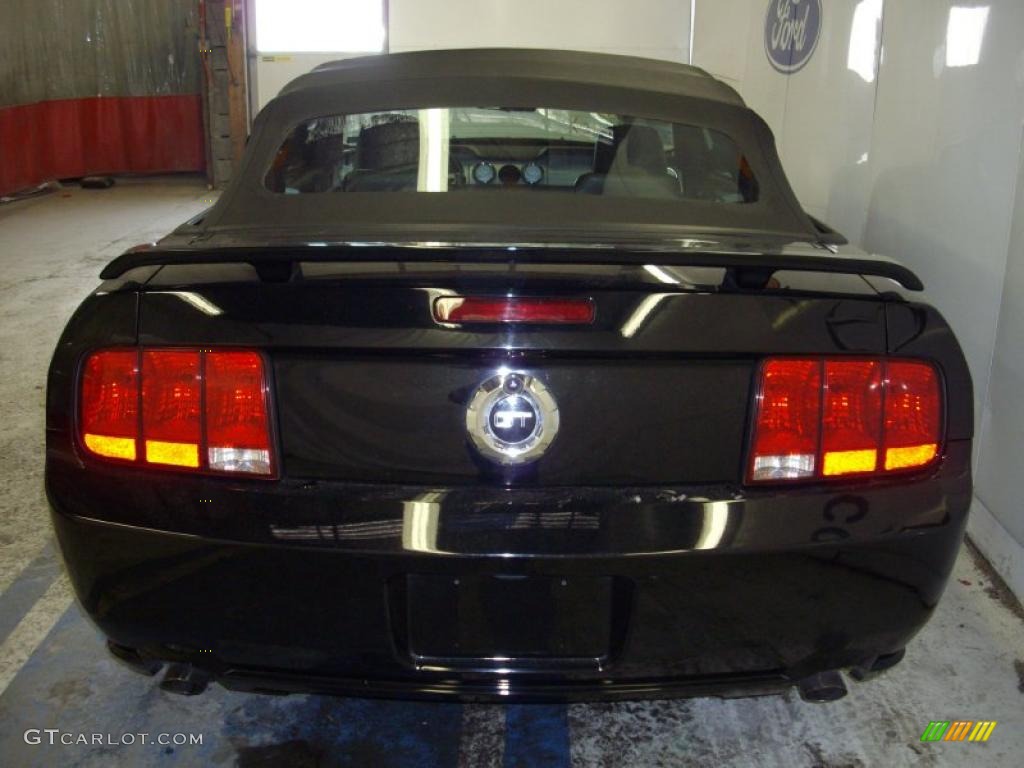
(789, 420)
(237, 438)
(913, 415)
(851, 417)
(202, 410)
(109, 408)
(171, 404)
(521, 309)
(823, 418)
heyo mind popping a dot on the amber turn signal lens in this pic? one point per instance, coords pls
(111, 447)
(910, 456)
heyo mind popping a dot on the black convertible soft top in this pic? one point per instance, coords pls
(249, 212)
(571, 68)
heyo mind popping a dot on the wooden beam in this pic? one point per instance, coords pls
(234, 34)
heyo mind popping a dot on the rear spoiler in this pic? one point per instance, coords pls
(748, 270)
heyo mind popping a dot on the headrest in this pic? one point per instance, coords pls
(644, 149)
(604, 151)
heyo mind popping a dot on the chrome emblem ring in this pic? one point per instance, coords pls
(512, 418)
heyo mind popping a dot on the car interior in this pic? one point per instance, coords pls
(629, 158)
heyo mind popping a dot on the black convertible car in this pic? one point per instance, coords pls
(508, 374)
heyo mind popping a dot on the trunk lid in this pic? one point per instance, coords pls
(370, 388)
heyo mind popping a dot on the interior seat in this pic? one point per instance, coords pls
(634, 164)
(640, 168)
(592, 182)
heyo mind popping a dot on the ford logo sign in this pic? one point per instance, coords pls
(791, 31)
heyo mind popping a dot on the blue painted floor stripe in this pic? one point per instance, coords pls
(537, 735)
(70, 683)
(26, 589)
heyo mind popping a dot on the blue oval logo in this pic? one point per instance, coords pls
(791, 31)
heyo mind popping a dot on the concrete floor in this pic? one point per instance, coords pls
(968, 663)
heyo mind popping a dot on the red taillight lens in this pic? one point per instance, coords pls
(171, 430)
(852, 417)
(823, 418)
(205, 410)
(541, 311)
(788, 424)
(913, 409)
(237, 434)
(109, 407)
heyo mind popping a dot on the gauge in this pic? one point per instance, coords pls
(532, 173)
(509, 175)
(483, 173)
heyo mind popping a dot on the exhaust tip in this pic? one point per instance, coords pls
(134, 660)
(823, 687)
(877, 666)
(184, 680)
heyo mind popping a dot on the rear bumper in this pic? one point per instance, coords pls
(366, 591)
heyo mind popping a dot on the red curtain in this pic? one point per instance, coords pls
(103, 135)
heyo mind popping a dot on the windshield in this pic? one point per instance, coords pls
(500, 150)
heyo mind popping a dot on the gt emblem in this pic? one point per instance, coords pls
(512, 418)
(507, 419)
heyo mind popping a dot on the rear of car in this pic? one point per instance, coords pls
(644, 431)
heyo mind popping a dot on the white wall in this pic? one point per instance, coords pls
(658, 29)
(270, 72)
(922, 161)
(821, 116)
(288, 38)
(998, 523)
(654, 28)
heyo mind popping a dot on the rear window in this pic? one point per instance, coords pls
(497, 150)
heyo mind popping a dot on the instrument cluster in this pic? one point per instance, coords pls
(508, 174)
